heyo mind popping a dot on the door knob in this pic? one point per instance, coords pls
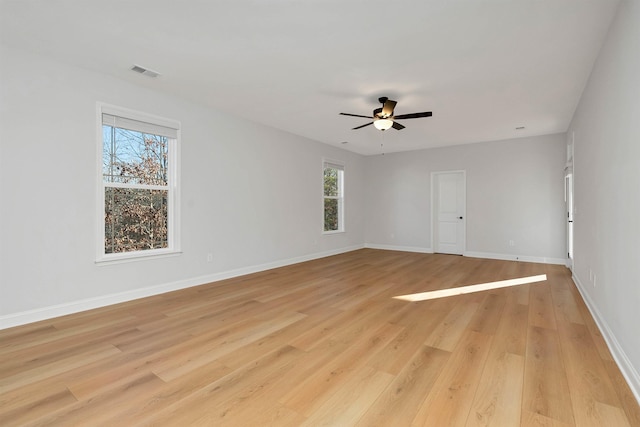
(459, 217)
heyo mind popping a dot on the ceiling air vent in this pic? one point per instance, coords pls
(144, 71)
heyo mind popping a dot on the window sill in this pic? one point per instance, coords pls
(133, 257)
(328, 233)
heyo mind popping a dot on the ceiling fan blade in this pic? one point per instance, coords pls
(397, 126)
(355, 115)
(359, 127)
(387, 108)
(413, 115)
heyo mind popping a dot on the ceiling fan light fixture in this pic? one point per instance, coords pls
(384, 117)
(383, 124)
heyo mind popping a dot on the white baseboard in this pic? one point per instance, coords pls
(30, 316)
(511, 257)
(399, 248)
(628, 370)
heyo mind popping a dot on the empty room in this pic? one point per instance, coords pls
(288, 213)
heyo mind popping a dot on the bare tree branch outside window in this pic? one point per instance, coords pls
(135, 168)
(332, 199)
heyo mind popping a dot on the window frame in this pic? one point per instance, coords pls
(333, 164)
(172, 187)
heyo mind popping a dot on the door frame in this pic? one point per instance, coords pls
(569, 198)
(434, 174)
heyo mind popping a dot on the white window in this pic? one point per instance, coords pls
(333, 181)
(138, 204)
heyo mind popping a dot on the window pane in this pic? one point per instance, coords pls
(331, 215)
(135, 219)
(330, 182)
(134, 157)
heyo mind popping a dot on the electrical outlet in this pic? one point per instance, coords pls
(209, 257)
(512, 243)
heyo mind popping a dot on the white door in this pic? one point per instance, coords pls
(449, 210)
(568, 191)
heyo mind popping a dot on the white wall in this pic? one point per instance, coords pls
(606, 128)
(514, 192)
(251, 195)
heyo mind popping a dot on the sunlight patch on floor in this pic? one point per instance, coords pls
(441, 293)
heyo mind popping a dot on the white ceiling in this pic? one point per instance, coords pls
(483, 67)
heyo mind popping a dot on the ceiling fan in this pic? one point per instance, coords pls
(383, 117)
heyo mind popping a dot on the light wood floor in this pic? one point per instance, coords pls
(324, 343)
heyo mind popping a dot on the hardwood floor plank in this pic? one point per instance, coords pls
(222, 400)
(19, 337)
(541, 309)
(401, 399)
(270, 414)
(99, 378)
(532, 419)
(315, 335)
(448, 333)
(546, 389)
(177, 366)
(488, 315)
(167, 394)
(352, 399)
(590, 323)
(627, 399)
(46, 353)
(565, 296)
(10, 382)
(279, 292)
(318, 387)
(610, 415)
(36, 408)
(520, 294)
(301, 373)
(452, 395)
(119, 399)
(395, 356)
(511, 335)
(360, 295)
(588, 380)
(55, 335)
(272, 341)
(565, 306)
(498, 398)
